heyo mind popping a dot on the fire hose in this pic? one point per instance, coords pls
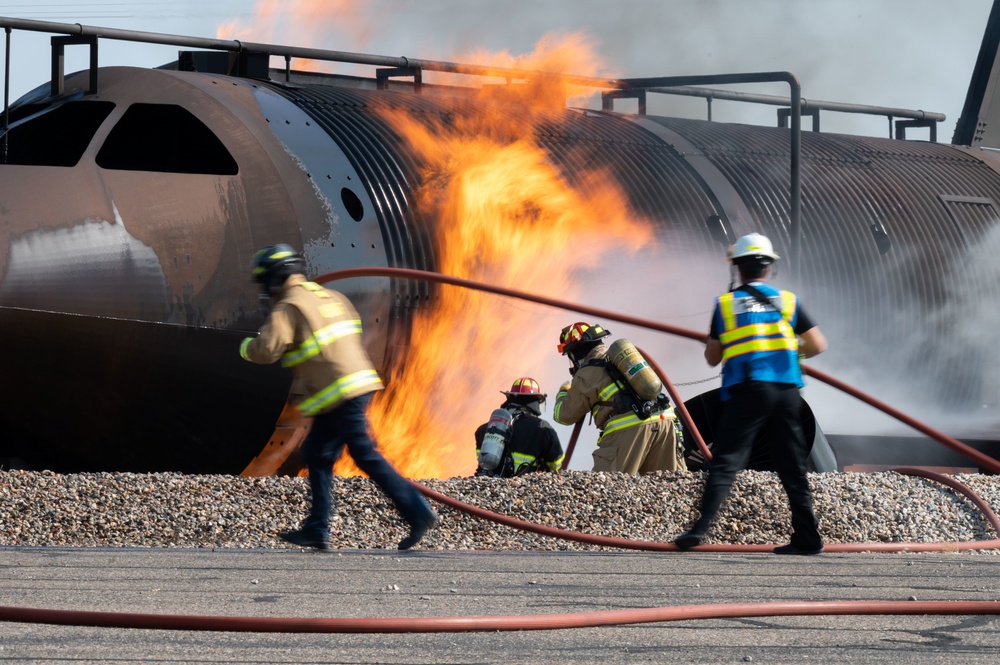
(624, 543)
(690, 426)
(471, 624)
(583, 619)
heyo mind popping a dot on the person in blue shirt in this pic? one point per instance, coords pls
(760, 333)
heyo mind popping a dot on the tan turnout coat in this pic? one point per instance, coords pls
(315, 332)
(627, 443)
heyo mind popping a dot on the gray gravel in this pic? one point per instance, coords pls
(174, 510)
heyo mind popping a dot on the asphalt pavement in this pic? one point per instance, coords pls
(371, 584)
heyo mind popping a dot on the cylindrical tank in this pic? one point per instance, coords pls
(129, 218)
(624, 356)
(498, 430)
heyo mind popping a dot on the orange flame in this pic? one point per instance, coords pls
(502, 213)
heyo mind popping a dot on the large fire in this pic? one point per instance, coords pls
(502, 213)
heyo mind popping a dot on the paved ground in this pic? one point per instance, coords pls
(292, 583)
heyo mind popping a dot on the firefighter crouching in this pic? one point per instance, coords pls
(316, 333)
(516, 440)
(638, 433)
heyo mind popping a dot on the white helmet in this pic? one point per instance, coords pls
(755, 247)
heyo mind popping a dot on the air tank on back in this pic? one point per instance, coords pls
(130, 212)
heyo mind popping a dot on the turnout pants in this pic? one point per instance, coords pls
(650, 446)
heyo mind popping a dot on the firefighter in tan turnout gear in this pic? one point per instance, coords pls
(638, 431)
(316, 332)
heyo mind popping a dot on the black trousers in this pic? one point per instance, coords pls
(750, 407)
(347, 425)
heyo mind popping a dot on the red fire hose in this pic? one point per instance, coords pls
(572, 444)
(624, 543)
(470, 624)
(542, 300)
(553, 621)
(585, 619)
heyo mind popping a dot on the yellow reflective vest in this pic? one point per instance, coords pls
(758, 340)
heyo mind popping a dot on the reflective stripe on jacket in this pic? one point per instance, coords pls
(758, 341)
(317, 333)
(594, 391)
(627, 420)
(313, 346)
(338, 390)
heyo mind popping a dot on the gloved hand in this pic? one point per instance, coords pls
(243, 347)
(564, 387)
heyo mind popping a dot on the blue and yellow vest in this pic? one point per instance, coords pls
(758, 341)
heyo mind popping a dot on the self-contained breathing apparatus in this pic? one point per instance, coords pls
(638, 384)
(495, 457)
(636, 378)
(498, 432)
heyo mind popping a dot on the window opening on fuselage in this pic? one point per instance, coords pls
(57, 137)
(164, 138)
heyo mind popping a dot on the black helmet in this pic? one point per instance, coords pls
(273, 265)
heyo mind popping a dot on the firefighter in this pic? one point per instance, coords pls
(760, 333)
(631, 441)
(530, 443)
(316, 332)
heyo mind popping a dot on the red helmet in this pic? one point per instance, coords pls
(579, 333)
(525, 386)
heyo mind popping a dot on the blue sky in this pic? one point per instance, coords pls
(881, 52)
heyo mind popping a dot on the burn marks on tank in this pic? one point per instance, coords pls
(164, 138)
(881, 237)
(720, 230)
(58, 136)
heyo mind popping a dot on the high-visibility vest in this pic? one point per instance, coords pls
(758, 342)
